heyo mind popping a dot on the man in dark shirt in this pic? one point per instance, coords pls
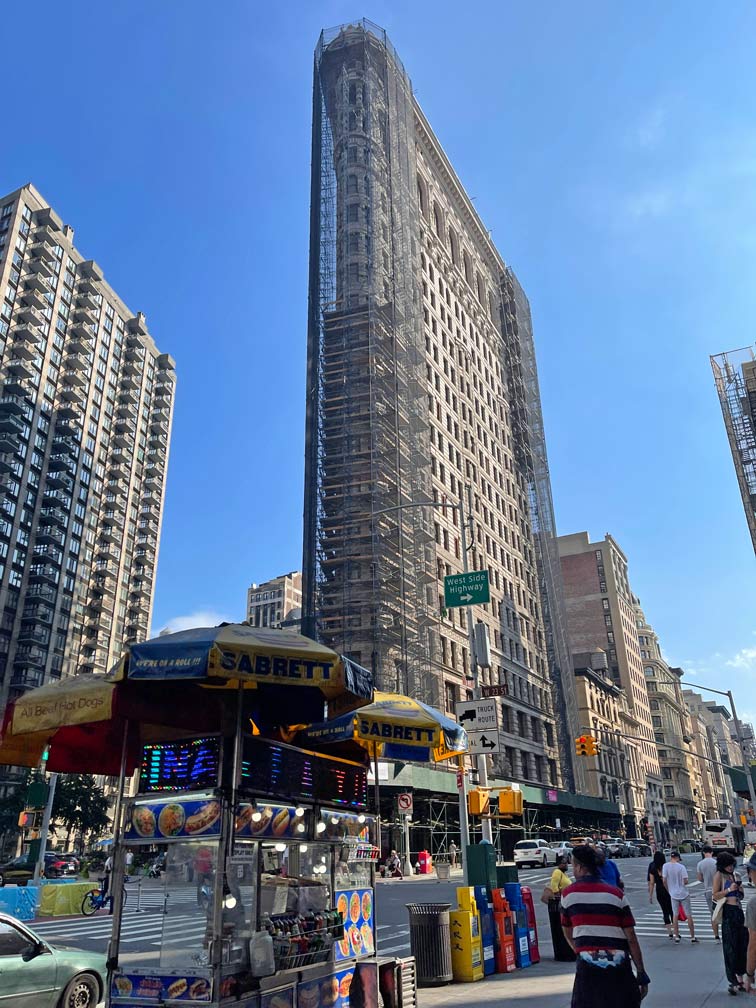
(599, 925)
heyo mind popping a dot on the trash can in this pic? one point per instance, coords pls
(443, 870)
(430, 942)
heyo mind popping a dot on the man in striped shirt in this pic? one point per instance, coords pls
(599, 925)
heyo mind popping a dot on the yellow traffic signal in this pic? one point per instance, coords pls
(586, 745)
(510, 802)
(478, 801)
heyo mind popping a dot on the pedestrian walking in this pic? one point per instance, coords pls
(705, 871)
(608, 870)
(559, 882)
(750, 920)
(675, 876)
(657, 888)
(453, 854)
(728, 887)
(599, 926)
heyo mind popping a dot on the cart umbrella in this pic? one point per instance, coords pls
(85, 720)
(393, 727)
(277, 663)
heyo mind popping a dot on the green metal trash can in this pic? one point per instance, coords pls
(430, 942)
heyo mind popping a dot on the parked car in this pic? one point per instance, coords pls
(35, 973)
(618, 847)
(20, 870)
(71, 862)
(563, 849)
(642, 847)
(577, 841)
(630, 849)
(534, 853)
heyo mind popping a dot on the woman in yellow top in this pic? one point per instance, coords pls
(559, 882)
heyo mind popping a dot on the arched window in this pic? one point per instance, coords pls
(453, 247)
(422, 195)
(468, 267)
(481, 288)
(353, 93)
(438, 224)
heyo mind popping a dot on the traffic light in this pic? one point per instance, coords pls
(510, 802)
(586, 745)
(478, 801)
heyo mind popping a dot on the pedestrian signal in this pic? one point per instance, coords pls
(510, 802)
(23, 819)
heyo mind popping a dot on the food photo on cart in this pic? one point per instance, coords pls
(265, 824)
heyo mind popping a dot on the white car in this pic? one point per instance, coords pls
(535, 853)
(563, 849)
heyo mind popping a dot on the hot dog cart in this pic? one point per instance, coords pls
(267, 892)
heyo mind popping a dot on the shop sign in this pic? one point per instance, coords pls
(154, 987)
(356, 909)
(551, 795)
(276, 769)
(166, 820)
(187, 765)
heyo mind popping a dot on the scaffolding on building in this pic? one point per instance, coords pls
(735, 378)
(532, 461)
(368, 564)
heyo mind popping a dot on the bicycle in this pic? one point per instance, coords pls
(96, 900)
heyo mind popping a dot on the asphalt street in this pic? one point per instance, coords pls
(687, 974)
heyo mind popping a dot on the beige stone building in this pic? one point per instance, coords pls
(85, 421)
(715, 744)
(601, 615)
(422, 387)
(277, 602)
(604, 713)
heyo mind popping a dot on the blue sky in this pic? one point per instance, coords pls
(611, 150)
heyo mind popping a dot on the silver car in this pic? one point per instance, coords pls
(563, 849)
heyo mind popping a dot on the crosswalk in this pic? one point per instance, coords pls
(393, 939)
(140, 929)
(649, 922)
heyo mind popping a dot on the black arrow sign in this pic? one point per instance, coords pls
(487, 743)
(467, 715)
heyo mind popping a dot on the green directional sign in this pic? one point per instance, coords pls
(466, 589)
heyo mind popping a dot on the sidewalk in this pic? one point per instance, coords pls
(692, 976)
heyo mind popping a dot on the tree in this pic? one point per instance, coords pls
(10, 807)
(80, 804)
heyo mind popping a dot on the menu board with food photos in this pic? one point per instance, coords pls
(279, 821)
(327, 992)
(147, 987)
(281, 998)
(166, 820)
(356, 908)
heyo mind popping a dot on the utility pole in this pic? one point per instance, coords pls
(39, 867)
(480, 760)
(744, 755)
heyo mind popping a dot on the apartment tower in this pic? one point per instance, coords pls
(601, 614)
(422, 393)
(277, 602)
(85, 421)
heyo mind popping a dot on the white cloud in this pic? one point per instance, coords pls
(199, 618)
(650, 129)
(745, 659)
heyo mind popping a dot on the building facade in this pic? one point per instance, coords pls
(277, 602)
(422, 388)
(604, 714)
(714, 746)
(735, 379)
(601, 615)
(85, 422)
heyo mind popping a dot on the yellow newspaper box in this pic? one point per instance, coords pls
(466, 945)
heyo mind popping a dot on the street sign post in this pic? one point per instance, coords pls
(404, 803)
(466, 589)
(484, 743)
(478, 715)
(497, 689)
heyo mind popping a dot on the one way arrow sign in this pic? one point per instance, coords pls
(483, 743)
